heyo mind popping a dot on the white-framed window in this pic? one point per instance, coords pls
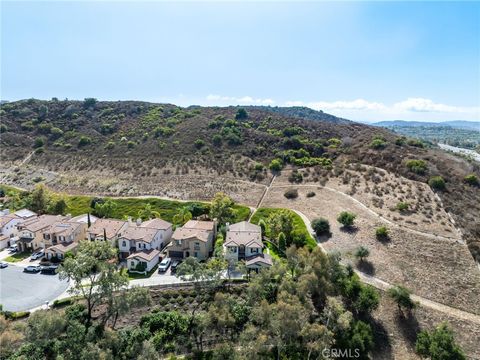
(254, 250)
(124, 243)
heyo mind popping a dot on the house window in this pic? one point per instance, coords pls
(132, 264)
(124, 243)
(254, 250)
(197, 246)
(195, 254)
(232, 249)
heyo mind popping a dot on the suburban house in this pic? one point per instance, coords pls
(110, 227)
(243, 241)
(8, 225)
(60, 250)
(195, 238)
(65, 232)
(30, 231)
(143, 261)
(84, 219)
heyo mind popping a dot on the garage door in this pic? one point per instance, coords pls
(176, 254)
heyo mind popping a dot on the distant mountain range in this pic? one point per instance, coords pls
(458, 124)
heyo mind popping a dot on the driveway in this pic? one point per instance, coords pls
(21, 291)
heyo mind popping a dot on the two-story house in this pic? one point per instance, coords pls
(195, 238)
(62, 237)
(30, 231)
(243, 241)
(8, 225)
(109, 227)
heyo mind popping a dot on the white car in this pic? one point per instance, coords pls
(3, 265)
(164, 265)
(13, 249)
(37, 255)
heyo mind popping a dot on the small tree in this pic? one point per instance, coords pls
(401, 296)
(182, 216)
(241, 114)
(439, 344)
(84, 141)
(217, 140)
(437, 183)
(39, 199)
(89, 103)
(362, 253)
(402, 206)
(222, 208)
(346, 218)
(39, 142)
(282, 242)
(106, 209)
(381, 233)
(321, 226)
(275, 165)
(291, 194)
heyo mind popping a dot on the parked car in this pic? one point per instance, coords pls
(49, 270)
(3, 265)
(33, 269)
(38, 255)
(164, 265)
(13, 249)
(175, 263)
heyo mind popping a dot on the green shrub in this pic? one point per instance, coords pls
(378, 143)
(311, 194)
(275, 165)
(217, 140)
(402, 206)
(437, 183)
(56, 132)
(89, 103)
(84, 141)
(39, 142)
(400, 141)
(3, 128)
(291, 194)
(63, 302)
(472, 179)
(110, 145)
(321, 226)
(362, 253)
(199, 143)
(346, 218)
(416, 143)
(131, 144)
(241, 114)
(381, 233)
(417, 166)
(27, 126)
(295, 177)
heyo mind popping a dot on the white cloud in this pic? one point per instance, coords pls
(245, 100)
(427, 105)
(359, 104)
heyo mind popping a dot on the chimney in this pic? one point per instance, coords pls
(139, 222)
(227, 226)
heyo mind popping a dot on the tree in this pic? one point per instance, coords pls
(42, 112)
(362, 253)
(263, 226)
(280, 222)
(217, 140)
(241, 114)
(437, 183)
(321, 226)
(59, 207)
(89, 103)
(94, 276)
(89, 222)
(381, 233)
(39, 199)
(222, 208)
(199, 143)
(147, 212)
(106, 209)
(84, 140)
(439, 344)
(275, 165)
(182, 216)
(346, 218)
(282, 242)
(401, 296)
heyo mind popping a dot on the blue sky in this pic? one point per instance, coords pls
(361, 60)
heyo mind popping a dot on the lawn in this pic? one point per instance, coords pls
(18, 257)
(134, 276)
(298, 224)
(80, 204)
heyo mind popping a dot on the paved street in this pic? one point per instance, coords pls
(22, 291)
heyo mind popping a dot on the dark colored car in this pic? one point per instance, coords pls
(34, 269)
(49, 270)
(173, 267)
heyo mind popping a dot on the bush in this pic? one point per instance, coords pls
(110, 145)
(199, 143)
(417, 166)
(471, 179)
(217, 140)
(295, 177)
(131, 144)
(416, 143)
(437, 183)
(291, 194)
(310, 194)
(381, 233)
(3, 128)
(56, 132)
(439, 344)
(346, 218)
(402, 206)
(275, 165)
(321, 226)
(89, 103)
(378, 143)
(39, 142)
(84, 141)
(63, 302)
(362, 252)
